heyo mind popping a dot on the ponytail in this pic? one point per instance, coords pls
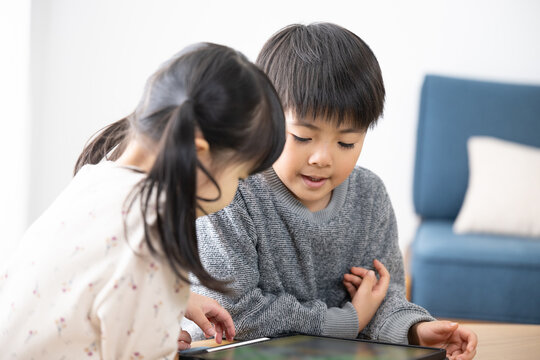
(109, 138)
(233, 105)
(173, 180)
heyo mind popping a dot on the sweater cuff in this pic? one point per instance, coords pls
(341, 322)
(396, 328)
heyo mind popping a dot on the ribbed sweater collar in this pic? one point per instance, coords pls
(286, 198)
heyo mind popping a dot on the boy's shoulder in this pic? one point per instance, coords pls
(366, 187)
(362, 178)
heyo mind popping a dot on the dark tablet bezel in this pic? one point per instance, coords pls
(438, 354)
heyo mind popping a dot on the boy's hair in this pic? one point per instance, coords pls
(323, 70)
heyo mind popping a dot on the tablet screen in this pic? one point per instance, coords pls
(303, 347)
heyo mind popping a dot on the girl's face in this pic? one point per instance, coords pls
(227, 179)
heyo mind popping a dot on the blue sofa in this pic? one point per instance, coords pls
(471, 276)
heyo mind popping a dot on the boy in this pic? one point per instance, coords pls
(298, 240)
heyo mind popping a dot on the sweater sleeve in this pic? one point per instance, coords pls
(228, 249)
(395, 316)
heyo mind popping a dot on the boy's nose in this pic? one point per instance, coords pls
(321, 157)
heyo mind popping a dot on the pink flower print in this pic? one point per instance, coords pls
(157, 306)
(11, 310)
(132, 284)
(36, 291)
(136, 356)
(31, 334)
(92, 285)
(165, 337)
(111, 242)
(77, 250)
(152, 269)
(66, 286)
(60, 325)
(91, 349)
(118, 282)
(178, 285)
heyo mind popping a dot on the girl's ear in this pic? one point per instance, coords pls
(201, 145)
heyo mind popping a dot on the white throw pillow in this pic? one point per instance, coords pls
(503, 196)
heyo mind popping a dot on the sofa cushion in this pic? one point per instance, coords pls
(475, 276)
(503, 195)
(451, 111)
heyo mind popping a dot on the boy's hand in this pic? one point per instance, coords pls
(211, 317)
(459, 342)
(367, 293)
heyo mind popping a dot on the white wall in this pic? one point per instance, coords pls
(90, 60)
(14, 107)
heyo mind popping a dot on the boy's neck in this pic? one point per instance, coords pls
(318, 205)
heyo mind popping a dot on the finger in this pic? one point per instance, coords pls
(199, 318)
(219, 332)
(469, 338)
(183, 346)
(222, 316)
(184, 340)
(229, 336)
(467, 356)
(368, 282)
(444, 327)
(359, 271)
(384, 276)
(351, 289)
(353, 279)
(184, 336)
(225, 321)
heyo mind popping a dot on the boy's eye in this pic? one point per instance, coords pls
(346, 145)
(300, 139)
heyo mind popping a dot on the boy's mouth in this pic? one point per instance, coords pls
(314, 181)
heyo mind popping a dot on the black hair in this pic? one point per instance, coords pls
(323, 70)
(217, 91)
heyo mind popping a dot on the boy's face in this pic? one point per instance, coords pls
(318, 156)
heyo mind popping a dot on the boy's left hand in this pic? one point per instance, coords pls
(459, 342)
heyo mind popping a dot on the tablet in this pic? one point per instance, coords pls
(303, 347)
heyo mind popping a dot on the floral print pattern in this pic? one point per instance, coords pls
(78, 288)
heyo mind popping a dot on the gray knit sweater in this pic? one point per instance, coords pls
(286, 264)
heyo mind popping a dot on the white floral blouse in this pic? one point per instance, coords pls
(76, 288)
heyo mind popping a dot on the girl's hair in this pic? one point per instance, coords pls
(324, 70)
(212, 89)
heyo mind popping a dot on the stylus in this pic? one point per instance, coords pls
(228, 346)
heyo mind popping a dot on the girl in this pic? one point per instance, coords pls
(103, 272)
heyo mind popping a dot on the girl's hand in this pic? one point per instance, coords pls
(184, 340)
(367, 293)
(211, 317)
(459, 342)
